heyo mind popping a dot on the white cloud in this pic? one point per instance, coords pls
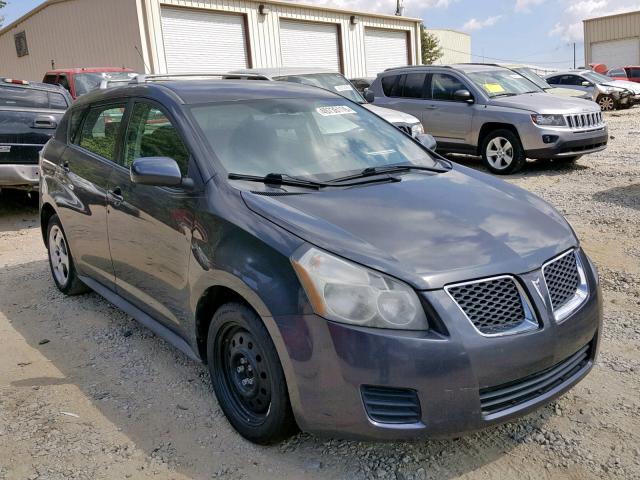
(571, 30)
(524, 6)
(475, 24)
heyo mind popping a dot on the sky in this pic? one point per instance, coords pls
(538, 32)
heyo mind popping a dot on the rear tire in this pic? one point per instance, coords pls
(247, 375)
(61, 262)
(502, 152)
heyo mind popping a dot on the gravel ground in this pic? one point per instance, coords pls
(87, 393)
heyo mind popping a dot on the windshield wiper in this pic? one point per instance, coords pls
(284, 179)
(505, 94)
(371, 171)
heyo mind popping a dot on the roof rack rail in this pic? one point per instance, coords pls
(481, 63)
(415, 66)
(161, 77)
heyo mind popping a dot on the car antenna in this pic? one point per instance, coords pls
(146, 67)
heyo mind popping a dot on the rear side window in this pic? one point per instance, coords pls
(634, 72)
(553, 80)
(392, 85)
(23, 97)
(617, 73)
(64, 82)
(444, 86)
(414, 85)
(50, 79)
(100, 130)
(57, 101)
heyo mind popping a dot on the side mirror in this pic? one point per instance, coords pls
(463, 96)
(158, 171)
(369, 96)
(587, 84)
(427, 141)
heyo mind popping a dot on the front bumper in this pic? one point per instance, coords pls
(566, 142)
(328, 364)
(19, 176)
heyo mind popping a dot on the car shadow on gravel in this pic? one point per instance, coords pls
(164, 403)
(532, 167)
(627, 196)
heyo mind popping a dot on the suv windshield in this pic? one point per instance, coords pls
(334, 82)
(533, 77)
(497, 83)
(596, 77)
(320, 138)
(85, 82)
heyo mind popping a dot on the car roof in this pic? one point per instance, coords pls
(210, 91)
(570, 72)
(34, 86)
(89, 70)
(285, 71)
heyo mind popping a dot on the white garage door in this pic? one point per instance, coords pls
(385, 49)
(200, 41)
(616, 53)
(304, 44)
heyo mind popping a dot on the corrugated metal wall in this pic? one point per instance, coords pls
(74, 33)
(456, 46)
(614, 27)
(264, 31)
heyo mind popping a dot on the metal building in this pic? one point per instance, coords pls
(182, 36)
(456, 46)
(613, 40)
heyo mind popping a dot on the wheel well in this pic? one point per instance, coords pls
(46, 212)
(487, 128)
(212, 299)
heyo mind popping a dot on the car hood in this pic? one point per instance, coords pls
(565, 92)
(391, 116)
(634, 87)
(541, 102)
(429, 229)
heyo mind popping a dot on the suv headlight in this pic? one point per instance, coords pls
(348, 293)
(548, 120)
(416, 129)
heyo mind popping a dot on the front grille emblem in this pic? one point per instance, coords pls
(536, 285)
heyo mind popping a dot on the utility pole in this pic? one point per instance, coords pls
(574, 55)
(399, 8)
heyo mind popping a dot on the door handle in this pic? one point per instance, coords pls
(44, 121)
(115, 196)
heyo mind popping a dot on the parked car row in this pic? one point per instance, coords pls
(332, 273)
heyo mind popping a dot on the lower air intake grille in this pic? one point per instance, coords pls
(502, 397)
(562, 279)
(391, 405)
(493, 305)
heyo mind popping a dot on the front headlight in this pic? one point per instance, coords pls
(548, 120)
(416, 129)
(345, 292)
(614, 90)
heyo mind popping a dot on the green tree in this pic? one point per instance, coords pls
(431, 50)
(3, 3)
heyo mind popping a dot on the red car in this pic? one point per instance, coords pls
(79, 81)
(628, 73)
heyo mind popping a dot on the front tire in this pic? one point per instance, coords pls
(247, 375)
(63, 268)
(502, 152)
(607, 103)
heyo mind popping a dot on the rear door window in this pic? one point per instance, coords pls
(414, 85)
(57, 101)
(23, 97)
(392, 85)
(634, 72)
(101, 129)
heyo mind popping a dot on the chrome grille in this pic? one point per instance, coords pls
(585, 120)
(494, 306)
(562, 278)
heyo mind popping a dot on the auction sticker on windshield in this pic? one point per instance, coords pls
(493, 88)
(343, 88)
(337, 110)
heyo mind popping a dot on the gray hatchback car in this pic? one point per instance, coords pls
(333, 273)
(494, 112)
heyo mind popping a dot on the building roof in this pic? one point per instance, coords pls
(448, 30)
(285, 3)
(622, 14)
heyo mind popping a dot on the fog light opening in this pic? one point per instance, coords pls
(549, 138)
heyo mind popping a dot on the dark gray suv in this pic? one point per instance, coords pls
(333, 274)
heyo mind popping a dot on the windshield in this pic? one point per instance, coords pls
(334, 82)
(496, 83)
(85, 82)
(319, 138)
(596, 77)
(533, 77)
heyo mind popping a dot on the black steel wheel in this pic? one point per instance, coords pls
(247, 376)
